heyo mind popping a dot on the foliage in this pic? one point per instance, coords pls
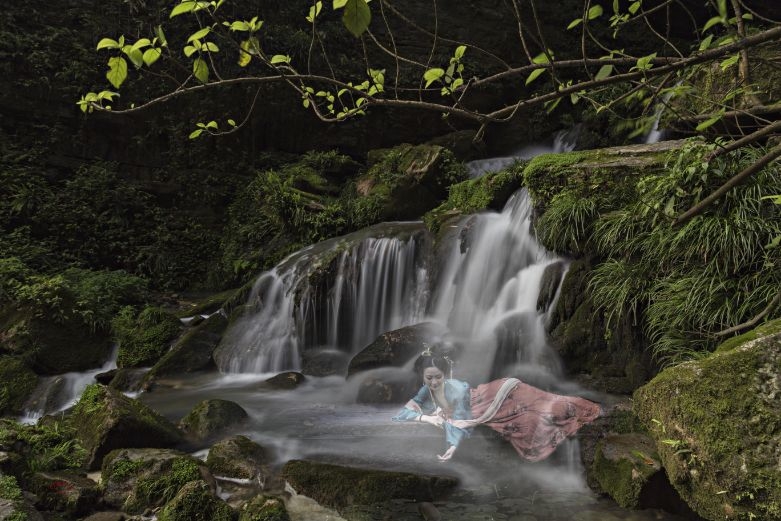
(145, 337)
(45, 447)
(692, 281)
(566, 222)
(162, 488)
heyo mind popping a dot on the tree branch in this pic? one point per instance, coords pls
(753, 321)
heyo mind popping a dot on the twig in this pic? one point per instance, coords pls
(753, 321)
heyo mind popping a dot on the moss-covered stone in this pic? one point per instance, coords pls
(196, 502)
(264, 508)
(488, 192)
(13, 505)
(394, 348)
(238, 457)
(17, 382)
(194, 351)
(143, 339)
(107, 420)
(137, 479)
(624, 464)
(336, 486)
(68, 492)
(286, 380)
(717, 427)
(210, 417)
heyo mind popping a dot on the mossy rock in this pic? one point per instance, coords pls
(57, 348)
(196, 502)
(13, 505)
(488, 192)
(210, 417)
(624, 464)
(68, 492)
(194, 351)
(717, 427)
(17, 382)
(238, 457)
(264, 508)
(286, 380)
(107, 419)
(394, 348)
(388, 386)
(336, 486)
(137, 479)
(143, 339)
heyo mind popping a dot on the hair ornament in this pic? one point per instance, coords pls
(427, 350)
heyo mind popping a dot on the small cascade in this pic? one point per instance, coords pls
(487, 294)
(57, 393)
(561, 141)
(338, 294)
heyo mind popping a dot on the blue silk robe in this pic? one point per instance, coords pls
(458, 400)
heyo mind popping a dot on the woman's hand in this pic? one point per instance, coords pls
(434, 420)
(448, 454)
(462, 424)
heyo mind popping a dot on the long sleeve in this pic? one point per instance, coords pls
(421, 403)
(457, 394)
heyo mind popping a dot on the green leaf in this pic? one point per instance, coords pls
(244, 55)
(107, 43)
(201, 70)
(280, 58)
(550, 106)
(314, 11)
(151, 55)
(238, 25)
(231, 122)
(457, 83)
(117, 71)
(433, 75)
(604, 72)
(198, 35)
(706, 42)
(713, 21)
(708, 122)
(185, 7)
(143, 42)
(196, 133)
(595, 12)
(189, 50)
(460, 50)
(634, 6)
(729, 62)
(722, 4)
(357, 16)
(541, 58)
(211, 47)
(135, 55)
(161, 36)
(534, 75)
(574, 23)
(338, 4)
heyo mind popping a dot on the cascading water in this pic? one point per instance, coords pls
(338, 294)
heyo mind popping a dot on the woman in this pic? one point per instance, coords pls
(535, 422)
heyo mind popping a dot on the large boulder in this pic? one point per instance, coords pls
(194, 501)
(338, 487)
(394, 348)
(387, 386)
(625, 465)
(264, 508)
(143, 339)
(193, 352)
(717, 426)
(137, 479)
(238, 457)
(65, 491)
(211, 417)
(106, 420)
(285, 381)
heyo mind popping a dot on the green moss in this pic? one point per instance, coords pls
(264, 508)
(162, 488)
(145, 338)
(774, 326)
(46, 447)
(9, 488)
(717, 424)
(194, 502)
(17, 382)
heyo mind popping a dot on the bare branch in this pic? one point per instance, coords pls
(753, 321)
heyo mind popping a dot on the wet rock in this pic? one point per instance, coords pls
(625, 465)
(106, 516)
(264, 508)
(137, 479)
(106, 377)
(193, 352)
(210, 417)
(108, 420)
(324, 362)
(388, 387)
(196, 500)
(551, 278)
(11, 463)
(716, 425)
(239, 457)
(128, 379)
(337, 486)
(64, 491)
(286, 380)
(11, 510)
(395, 348)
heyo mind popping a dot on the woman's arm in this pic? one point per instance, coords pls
(414, 409)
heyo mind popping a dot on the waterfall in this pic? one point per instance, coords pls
(57, 393)
(339, 294)
(487, 293)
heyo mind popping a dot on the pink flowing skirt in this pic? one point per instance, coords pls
(535, 422)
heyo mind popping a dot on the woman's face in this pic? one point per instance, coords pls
(433, 378)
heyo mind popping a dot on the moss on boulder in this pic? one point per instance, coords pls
(143, 339)
(17, 382)
(394, 348)
(107, 419)
(210, 417)
(196, 502)
(286, 380)
(238, 457)
(264, 508)
(65, 491)
(624, 464)
(337, 487)
(717, 427)
(193, 351)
